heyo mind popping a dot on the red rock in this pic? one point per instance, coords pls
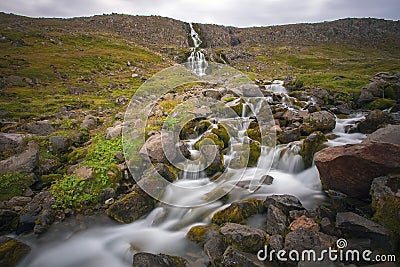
(350, 169)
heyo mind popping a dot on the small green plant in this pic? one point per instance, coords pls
(170, 122)
(229, 99)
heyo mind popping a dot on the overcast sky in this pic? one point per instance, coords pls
(226, 12)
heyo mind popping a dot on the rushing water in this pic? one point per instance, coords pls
(197, 60)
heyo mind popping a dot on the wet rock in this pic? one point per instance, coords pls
(236, 105)
(222, 134)
(312, 144)
(320, 95)
(38, 215)
(350, 169)
(233, 258)
(323, 121)
(238, 212)
(385, 192)
(12, 251)
(284, 202)
(169, 150)
(59, 143)
(254, 153)
(243, 237)
(132, 206)
(8, 221)
(200, 233)
(214, 248)
(144, 259)
(41, 128)
(374, 120)
(327, 226)
(357, 226)
(388, 134)
(25, 162)
(212, 158)
(89, 122)
(277, 221)
(304, 222)
(289, 136)
(106, 194)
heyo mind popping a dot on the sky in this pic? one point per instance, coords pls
(240, 13)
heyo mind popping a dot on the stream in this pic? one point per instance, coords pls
(106, 243)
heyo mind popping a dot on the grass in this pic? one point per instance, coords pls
(13, 184)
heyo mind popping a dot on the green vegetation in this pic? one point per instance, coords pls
(381, 103)
(14, 184)
(75, 192)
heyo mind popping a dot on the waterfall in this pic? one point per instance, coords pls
(197, 60)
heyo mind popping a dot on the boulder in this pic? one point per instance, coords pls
(385, 192)
(170, 150)
(11, 144)
(276, 242)
(388, 134)
(84, 172)
(212, 93)
(132, 206)
(304, 222)
(59, 143)
(323, 121)
(12, 251)
(350, 169)
(121, 100)
(25, 162)
(114, 132)
(284, 202)
(302, 239)
(374, 120)
(288, 136)
(41, 128)
(212, 158)
(238, 212)
(357, 226)
(89, 122)
(277, 221)
(214, 248)
(144, 259)
(38, 215)
(243, 237)
(233, 258)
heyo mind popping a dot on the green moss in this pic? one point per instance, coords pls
(254, 154)
(197, 233)
(49, 178)
(229, 99)
(311, 145)
(75, 155)
(381, 103)
(209, 139)
(238, 212)
(222, 134)
(14, 184)
(12, 252)
(254, 133)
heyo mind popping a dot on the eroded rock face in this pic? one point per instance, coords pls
(350, 169)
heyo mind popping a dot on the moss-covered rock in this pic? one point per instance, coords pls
(239, 211)
(311, 145)
(132, 206)
(13, 184)
(49, 178)
(8, 221)
(209, 139)
(198, 233)
(254, 133)
(381, 103)
(236, 105)
(243, 237)
(222, 134)
(12, 251)
(254, 153)
(386, 202)
(202, 126)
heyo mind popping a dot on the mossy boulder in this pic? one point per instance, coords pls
(254, 133)
(213, 158)
(244, 238)
(222, 134)
(202, 126)
(254, 153)
(209, 139)
(323, 121)
(132, 206)
(49, 178)
(311, 145)
(12, 251)
(8, 221)
(381, 104)
(238, 212)
(386, 202)
(198, 233)
(236, 105)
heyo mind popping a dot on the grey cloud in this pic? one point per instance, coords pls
(226, 12)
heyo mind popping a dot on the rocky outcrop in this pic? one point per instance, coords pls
(388, 134)
(25, 162)
(382, 85)
(41, 128)
(373, 121)
(11, 144)
(350, 169)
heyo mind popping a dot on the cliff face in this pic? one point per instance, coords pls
(157, 32)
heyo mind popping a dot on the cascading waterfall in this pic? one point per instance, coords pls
(164, 229)
(197, 60)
